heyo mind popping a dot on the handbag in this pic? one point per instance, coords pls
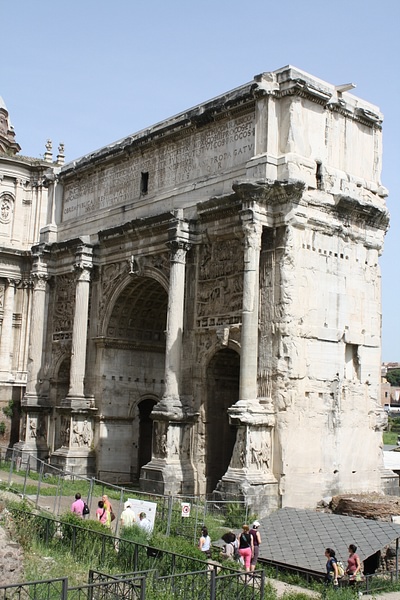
(112, 516)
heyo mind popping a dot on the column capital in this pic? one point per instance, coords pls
(12, 282)
(252, 229)
(40, 281)
(179, 249)
(83, 262)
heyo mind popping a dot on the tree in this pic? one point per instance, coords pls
(393, 377)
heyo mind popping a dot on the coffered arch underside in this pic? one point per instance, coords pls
(130, 292)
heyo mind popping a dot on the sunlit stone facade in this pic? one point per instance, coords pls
(206, 312)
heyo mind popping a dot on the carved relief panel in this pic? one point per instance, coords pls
(6, 212)
(220, 283)
(64, 302)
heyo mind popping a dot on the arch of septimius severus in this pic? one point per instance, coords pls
(203, 300)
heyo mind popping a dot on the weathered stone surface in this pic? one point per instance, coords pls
(207, 301)
(11, 557)
(368, 506)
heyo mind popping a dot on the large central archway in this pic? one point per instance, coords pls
(132, 364)
(222, 392)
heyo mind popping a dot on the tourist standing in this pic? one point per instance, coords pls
(108, 507)
(145, 523)
(256, 544)
(246, 547)
(78, 506)
(353, 565)
(127, 518)
(102, 514)
(205, 542)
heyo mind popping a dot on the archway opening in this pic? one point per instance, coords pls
(145, 433)
(222, 392)
(131, 366)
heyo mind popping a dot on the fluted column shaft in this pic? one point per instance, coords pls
(37, 334)
(249, 336)
(6, 329)
(79, 333)
(173, 347)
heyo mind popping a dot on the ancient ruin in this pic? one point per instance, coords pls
(206, 312)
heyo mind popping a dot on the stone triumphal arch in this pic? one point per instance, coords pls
(205, 301)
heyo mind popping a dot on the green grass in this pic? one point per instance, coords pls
(390, 437)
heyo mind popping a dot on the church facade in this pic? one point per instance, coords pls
(206, 312)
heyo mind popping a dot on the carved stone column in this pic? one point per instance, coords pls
(171, 402)
(249, 335)
(36, 340)
(6, 342)
(76, 394)
(74, 420)
(170, 470)
(35, 409)
(249, 472)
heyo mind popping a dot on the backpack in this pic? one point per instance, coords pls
(340, 568)
(236, 554)
(86, 509)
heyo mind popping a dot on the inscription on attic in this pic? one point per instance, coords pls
(217, 148)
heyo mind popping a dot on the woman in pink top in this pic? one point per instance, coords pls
(353, 564)
(102, 514)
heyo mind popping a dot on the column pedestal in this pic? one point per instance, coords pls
(170, 470)
(74, 440)
(249, 474)
(34, 432)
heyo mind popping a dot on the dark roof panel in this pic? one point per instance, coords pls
(299, 537)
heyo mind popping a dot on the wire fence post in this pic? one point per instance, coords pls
(39, 482)
(26, 475)
(11, 469)
(64, 589)
(143, 589)
(170, 501)
(212, 585)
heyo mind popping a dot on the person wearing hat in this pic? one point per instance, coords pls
(255, 534)
(127, 518)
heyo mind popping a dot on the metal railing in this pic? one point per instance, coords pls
(103, 550)
(133, 586)
(30, 476)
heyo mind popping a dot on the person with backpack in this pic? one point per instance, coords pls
(102, 514)
(78, 506)
(230, 550)
(331, 567)
(246, 546)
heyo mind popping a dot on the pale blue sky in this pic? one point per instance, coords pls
(88, 72)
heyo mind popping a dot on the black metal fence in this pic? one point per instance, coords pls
(29, 475)
(102, 550)
(139, 586)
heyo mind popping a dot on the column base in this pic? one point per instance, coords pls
(390, 483)
(35, 401)
(260, 491)
(77, 402)
(31, 449)
(160, 477)
(76, 461)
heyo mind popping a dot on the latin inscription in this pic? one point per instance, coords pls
(215, 149)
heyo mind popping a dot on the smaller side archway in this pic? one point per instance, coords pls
(222, 374)
(145, 407)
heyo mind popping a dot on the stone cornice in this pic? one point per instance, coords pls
(353, 208)
(121, 344)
